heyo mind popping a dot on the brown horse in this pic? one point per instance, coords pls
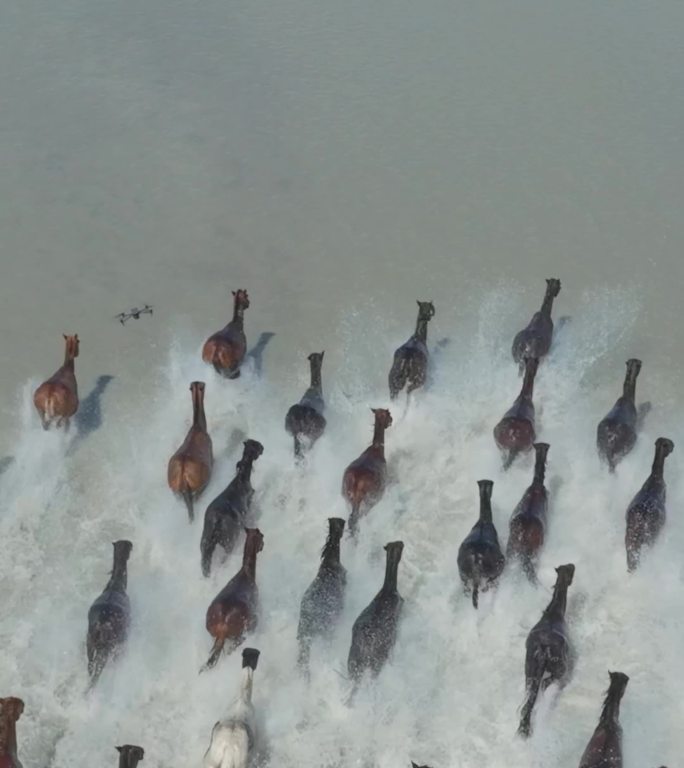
(411, 358)
(109, 616)
(364, 480)
(646, 512)
(548, 657)
(528, 521)
(535, 339)
(604, 749)
(11, 710)
(190, 466)
(375, 630)
(234, 611)
(305, 419)
(130, 755)
(515, 434)
(57, 398)
(226, 349)
(226, 516)
(617, 432)
(323, 601)
(480, 560)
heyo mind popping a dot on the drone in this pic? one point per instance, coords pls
(133, 313)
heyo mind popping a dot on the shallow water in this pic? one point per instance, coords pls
(339, 163)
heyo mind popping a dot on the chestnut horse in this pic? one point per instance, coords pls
(528, 521)
(11, 710)
(110, 615)
(646, 512)
(411, 358)
(480, 560)
(535, 339)
(363, 483)
(617, 432)
(548, 657)
(226, 349)
(604, 749)
(323, 601)
(190, 466)
(305, 419)
(234, 611)
(226, 516)
(515, 433)
(130, 755)
(57, 398)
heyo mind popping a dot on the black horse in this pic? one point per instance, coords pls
(226, 516)
(411, 358)
(110, 615)
(617, 432)
(646, 512)
(305, 419)
(375, 630)
(480, 560)
(535, 339)
(130, 755)
(548, 657)
(324, 599)
(604, 749)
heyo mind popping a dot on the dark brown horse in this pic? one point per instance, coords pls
(375, 630)
(57, 398)
(364, 479)
(226, 349)
(604, 749)
(130, 756)
(617, 432)
(305, 420)
(535, 339)
(109, 616)
(190, 466)
(11, 710)
(548, 657)
(234, 611)
(323, 601)
(515, 434)
(480, 560)
(528, 521)
(411, 358)
(646, 512)
(226, 516)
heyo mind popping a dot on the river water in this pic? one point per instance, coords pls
(339, 163)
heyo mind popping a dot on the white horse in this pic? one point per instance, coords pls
(232, 739)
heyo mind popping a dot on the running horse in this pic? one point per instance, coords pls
(515, 433)
(616, 434)
(604, 749)
(57, 398)
(189, 469)
(233, 739)
(480, 560)
(548, 655)
(305, 420)
(364, 480)
(234, 611)
(226, 516)
(411, 358)
(11, 710)
(130, 755)
(535, 339)
(226, 349)
(527, 526)
(109, 616)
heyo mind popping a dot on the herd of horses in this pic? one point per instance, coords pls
(234, 612)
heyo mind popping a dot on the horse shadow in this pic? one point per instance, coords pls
(5, 463)
(257, 352)
(88, 418)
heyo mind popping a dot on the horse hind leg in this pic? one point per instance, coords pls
(215, 654)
